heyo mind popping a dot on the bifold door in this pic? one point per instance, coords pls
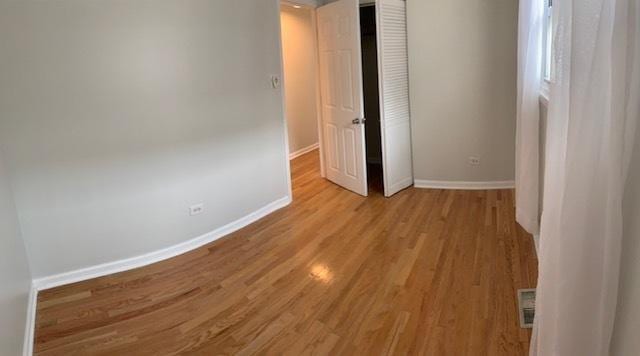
(395, 123)
(342, 94)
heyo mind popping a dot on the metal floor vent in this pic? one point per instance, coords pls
(527, 307)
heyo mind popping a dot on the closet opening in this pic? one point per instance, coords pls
(357, 62)
(371, 95)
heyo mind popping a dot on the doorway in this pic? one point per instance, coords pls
(299, 57)
(357, 62)
(371, 95)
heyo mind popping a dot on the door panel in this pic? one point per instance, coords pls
(345, 77)
(332, 147)
(398, 169)
(351, 160)
(395, 122)
(342, 94)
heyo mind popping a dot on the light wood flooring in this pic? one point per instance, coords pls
(427, 272)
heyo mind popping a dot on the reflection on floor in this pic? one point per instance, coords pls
(426, 272)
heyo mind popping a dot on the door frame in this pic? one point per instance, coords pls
(316, 64)
(312, 6)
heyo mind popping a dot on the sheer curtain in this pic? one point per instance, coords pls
(593, 110)
(531, 21)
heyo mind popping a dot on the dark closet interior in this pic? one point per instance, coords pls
(371, 97)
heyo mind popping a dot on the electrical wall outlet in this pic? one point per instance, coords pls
(474, 160)
(196, 209)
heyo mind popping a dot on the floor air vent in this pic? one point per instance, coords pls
(527, 307)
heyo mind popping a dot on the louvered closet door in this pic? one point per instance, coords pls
(394, 95)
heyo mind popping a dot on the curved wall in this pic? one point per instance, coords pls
(15, 278)
(116, 116)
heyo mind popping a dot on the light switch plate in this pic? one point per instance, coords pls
(275, 81)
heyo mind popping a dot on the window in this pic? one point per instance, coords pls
(547, 41)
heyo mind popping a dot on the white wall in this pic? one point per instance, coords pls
(462, 67)
(300, 76)
(118, 115)
(15, 279)
(626, 340)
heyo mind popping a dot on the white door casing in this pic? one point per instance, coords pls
(342, 94)
(393, 68)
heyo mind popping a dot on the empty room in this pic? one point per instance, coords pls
(326, 177)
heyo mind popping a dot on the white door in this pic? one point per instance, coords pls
(341, 94)
(395, 123)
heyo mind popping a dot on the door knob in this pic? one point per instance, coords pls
(358, 121)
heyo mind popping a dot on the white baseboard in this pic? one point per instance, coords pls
(438, 184)
(159, 255)
(302, 151)
(30, 325)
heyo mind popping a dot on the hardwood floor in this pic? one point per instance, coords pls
(429, 272)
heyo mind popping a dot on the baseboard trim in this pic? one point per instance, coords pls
(159, 255)
(30, 325)
(302, 151)
(438, 184)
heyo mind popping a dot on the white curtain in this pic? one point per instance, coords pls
(593, 110)
(531, 21)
